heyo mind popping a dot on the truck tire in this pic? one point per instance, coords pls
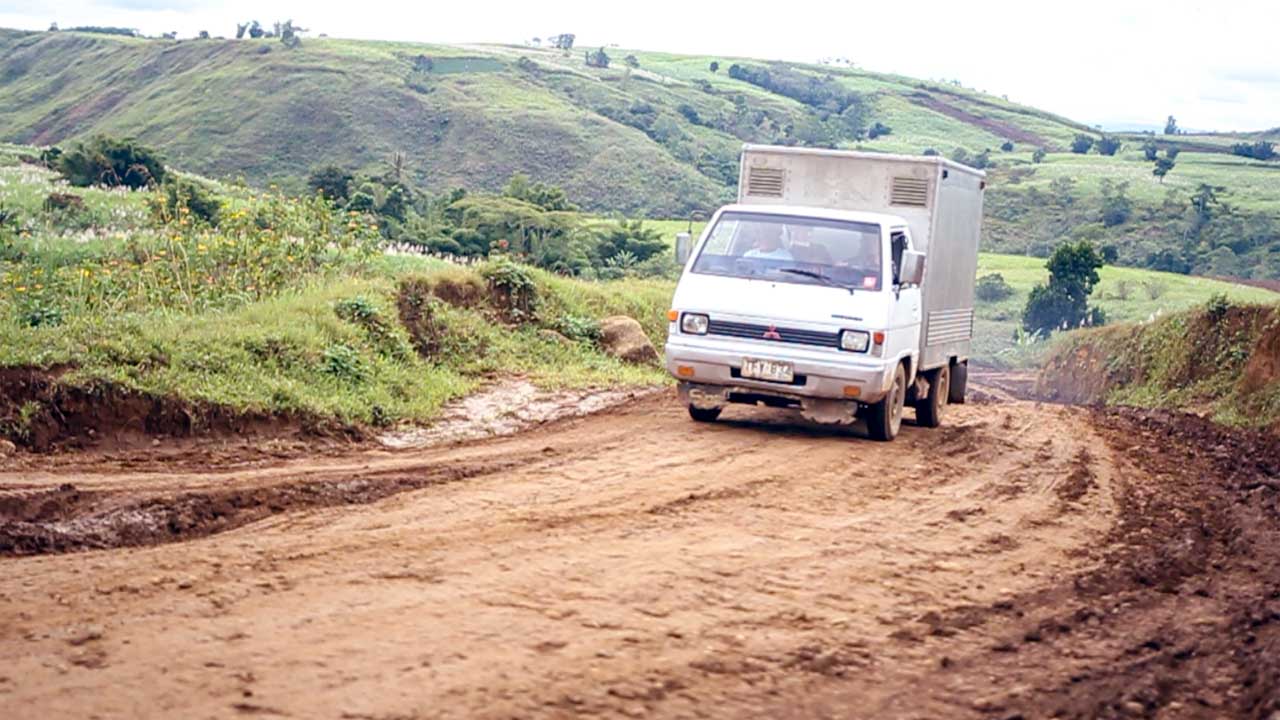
(705, 415)
(929, 408)
(884, 418)
(959, 382)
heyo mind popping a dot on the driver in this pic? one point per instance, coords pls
(766, 242)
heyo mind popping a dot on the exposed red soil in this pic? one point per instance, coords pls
(1024, 560)
(996, 127)
(41, 412)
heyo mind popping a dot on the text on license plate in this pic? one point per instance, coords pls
(768, 370)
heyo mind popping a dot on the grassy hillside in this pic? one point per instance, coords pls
(657, 137)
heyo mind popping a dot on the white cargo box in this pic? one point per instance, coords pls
(940, 200)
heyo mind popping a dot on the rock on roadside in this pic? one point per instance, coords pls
(623, 338)
(7, 448)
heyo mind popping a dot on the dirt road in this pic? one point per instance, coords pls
(1022, 561)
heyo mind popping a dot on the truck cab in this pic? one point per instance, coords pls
(811, 307)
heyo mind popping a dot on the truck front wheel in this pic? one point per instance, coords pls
(929, 408)
(884, 418)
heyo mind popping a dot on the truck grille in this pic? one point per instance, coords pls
(773, 334)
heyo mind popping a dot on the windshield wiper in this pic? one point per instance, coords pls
(817, 276)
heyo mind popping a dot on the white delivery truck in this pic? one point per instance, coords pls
(840, 284)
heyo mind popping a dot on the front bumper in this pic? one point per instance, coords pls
(828, 374)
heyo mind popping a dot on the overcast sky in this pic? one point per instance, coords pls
(1108, 62)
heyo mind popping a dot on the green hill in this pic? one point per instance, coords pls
(656, 136)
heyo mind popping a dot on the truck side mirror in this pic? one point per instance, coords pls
(912, 267)
(684, 246)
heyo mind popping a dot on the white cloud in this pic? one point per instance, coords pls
(1092, 60)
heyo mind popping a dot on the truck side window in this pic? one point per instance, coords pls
(897, 244)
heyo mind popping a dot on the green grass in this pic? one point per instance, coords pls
(1127, 295)
(272, 356)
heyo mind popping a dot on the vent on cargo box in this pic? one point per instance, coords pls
(764, 182)
(911, 192)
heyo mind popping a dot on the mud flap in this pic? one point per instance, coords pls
(703, 397)
(829, 412)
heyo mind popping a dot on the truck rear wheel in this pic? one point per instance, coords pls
(929, 408)
(704, 414)
(959, 382)
(884, 418)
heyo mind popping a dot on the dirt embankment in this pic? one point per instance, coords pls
(1023, 560)
(1228, 354)
(41, 412)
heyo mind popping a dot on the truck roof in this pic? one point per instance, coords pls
(883, 157)
(819, 213)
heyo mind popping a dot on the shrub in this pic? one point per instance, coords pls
(111, 162)
(512, 289)
(930, 152)
(1082, 144)
(578, 328)
(180, 198)
(1217, 306)
(1261, 150)
(879, 129)
(1109, 146)
(344, 363)
(1155, 289)
(1007, 146)
(1039, 155)
(362, 312)
(992, 288)
(331, 181)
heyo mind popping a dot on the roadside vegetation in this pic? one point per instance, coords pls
(225, 297)
(1220, 358)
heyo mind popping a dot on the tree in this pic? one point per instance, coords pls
(204, 35)
(331, 181)
(1082, 144)
(1162, 168)
(53, 27)
(241, 28)
(878, 130)
(289, 35)
(1171, 126)
(111, 162)
(1006, 146)
(1116, 206)
(1172, 151)
(1150, 149)
(631, 237)
(1039, 155)
(255, 30)
(563, 41)
(631, 61)
(597, 59)
(1261, 150)
(1064, 302)
(715, 66)
(1108, 145)
(1204, 199)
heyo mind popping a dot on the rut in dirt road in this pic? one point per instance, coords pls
(1020, 560)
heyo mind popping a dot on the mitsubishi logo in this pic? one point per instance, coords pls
(772, 333)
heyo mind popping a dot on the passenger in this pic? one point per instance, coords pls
(766, 243)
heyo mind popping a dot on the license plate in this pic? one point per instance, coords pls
(768, 370)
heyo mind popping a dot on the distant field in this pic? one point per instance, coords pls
(1126, 294)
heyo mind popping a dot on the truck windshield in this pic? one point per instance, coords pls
(793, 249)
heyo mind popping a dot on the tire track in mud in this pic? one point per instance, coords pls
(627, 563)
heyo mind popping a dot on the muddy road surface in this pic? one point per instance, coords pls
(1024, 560)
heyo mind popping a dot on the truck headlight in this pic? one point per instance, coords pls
(694, 324)
(855, 340)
